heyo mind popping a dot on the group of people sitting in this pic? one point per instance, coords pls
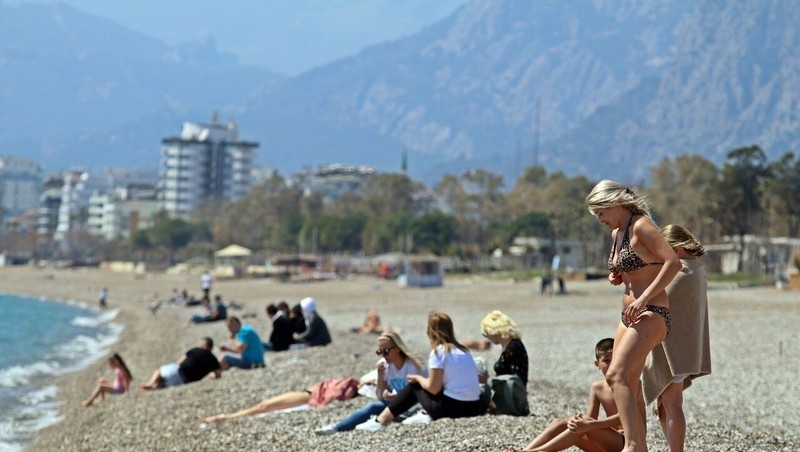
(297, 327)
(451, 385)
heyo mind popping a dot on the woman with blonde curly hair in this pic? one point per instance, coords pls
(501, 330)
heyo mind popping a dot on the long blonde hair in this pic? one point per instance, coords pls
(394, 338)
(441, 332)
(679, 237)
(608, 193)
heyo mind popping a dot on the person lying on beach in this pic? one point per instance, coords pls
(586, 431)
(450, 390)
(122, 379)
(319, 395)
(193, 366)
(393, 368)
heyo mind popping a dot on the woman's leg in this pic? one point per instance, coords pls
(670, 413)
(360, 415)
(279, 402)
(630, 351)
(403, 401)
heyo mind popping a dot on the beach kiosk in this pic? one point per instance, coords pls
(421, 271)
(230, 262)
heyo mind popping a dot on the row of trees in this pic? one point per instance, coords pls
(475, 212)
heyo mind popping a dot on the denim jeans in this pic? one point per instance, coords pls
(360, 415)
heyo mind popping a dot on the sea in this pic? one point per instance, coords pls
(40, 340)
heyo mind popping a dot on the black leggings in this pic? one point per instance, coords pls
(437, 405)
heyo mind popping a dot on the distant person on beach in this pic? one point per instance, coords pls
(451, 388)
(193, 366)
(316, 332)
(102, 298)
(319, 395)
(205, 284)
(686, 353)
(281, 336)
(119, 385)
(371, 324)
(641, 260)
(511, 396)
(247, 351)
(396, 363)
(215, 313)
(587, 431)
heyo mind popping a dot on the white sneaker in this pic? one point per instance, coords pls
(372, 425)
(329, 429)
(420, 417)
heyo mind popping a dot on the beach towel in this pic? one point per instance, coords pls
(327, 391)
(686, 351)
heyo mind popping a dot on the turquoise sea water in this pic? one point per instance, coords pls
(40, 340)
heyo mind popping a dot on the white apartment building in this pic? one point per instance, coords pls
(117, 214)
(20, 184)
(207, 161)
(76, 190)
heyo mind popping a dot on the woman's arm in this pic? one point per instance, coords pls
(648, 236)
(434, 382)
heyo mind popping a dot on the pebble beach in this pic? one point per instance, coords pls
(750, 401)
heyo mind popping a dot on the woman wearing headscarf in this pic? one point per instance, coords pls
(316, 332)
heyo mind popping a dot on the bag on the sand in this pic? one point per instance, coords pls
(509, 395)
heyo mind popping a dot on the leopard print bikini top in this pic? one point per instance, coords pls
(627, 259)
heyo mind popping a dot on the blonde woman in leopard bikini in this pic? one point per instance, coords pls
(645, 264)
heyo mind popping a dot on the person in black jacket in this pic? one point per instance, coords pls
(281, 336)
(316, 332)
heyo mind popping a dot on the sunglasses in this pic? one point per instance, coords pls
(383, 352)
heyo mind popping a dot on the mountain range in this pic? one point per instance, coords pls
(605, 88)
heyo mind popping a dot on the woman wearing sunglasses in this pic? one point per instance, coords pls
(450, 390)
(396, 363)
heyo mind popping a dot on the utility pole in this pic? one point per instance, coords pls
(538, 120)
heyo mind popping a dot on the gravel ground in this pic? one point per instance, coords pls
(748, 403)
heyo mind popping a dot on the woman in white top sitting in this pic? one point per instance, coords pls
(451, 388)
(394, 367)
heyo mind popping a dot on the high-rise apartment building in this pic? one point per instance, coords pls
(207, 161)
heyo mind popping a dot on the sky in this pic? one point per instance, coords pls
(285, 36)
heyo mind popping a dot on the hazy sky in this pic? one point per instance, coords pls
(286, 36)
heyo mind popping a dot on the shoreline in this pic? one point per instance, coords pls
(724, 411)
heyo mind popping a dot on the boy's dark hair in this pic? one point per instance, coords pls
(272, 309)
(209, 342)
(603, 347)
(283, 306)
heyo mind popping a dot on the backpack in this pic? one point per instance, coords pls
(509, 395)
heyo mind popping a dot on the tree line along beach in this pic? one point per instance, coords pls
(749, 401)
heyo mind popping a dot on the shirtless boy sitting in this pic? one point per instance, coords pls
(587, 431)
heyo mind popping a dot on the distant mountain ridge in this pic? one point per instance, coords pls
(606, 88)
